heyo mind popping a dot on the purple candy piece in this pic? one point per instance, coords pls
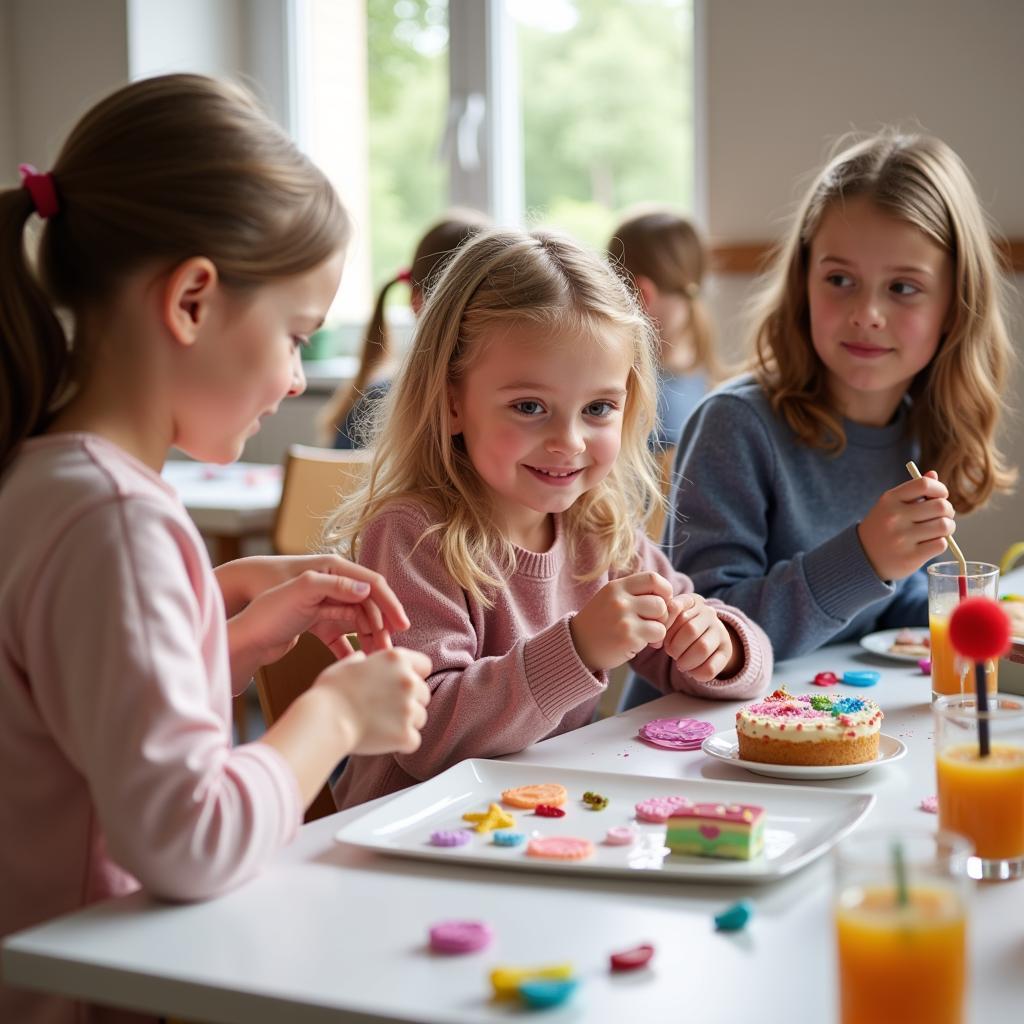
(925, 665)
(676, 733)
(460, 936)
(451, 837)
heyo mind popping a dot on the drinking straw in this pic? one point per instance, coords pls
(979, 629)
(899, 867)
(961, 580)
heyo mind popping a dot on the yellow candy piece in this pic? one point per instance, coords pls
(494, 818)
(506, 980)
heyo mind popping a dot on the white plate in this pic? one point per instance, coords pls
(725, 747)
(800, 825)
(881, 643)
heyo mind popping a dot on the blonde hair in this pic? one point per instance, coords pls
(499, 280)
(956, 398)
(160, 171)
(435, 249)
(666, 248)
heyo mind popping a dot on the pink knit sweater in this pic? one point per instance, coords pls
(116, 763)
(507, 676)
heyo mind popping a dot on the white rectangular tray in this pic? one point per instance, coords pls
(800, 823)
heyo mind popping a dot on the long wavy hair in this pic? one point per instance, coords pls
(435, 248)
(498, 280)
(666, 248)
(160, 171)
(956, 398)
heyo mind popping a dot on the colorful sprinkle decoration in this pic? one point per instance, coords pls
(504, 837)
(548, 811)
(632, 959)
(864, 678)
(734, 918)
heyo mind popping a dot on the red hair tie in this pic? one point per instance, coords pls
(41, 188)
(404, 275)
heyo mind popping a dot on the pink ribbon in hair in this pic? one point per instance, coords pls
(41, 188)
(404, 275)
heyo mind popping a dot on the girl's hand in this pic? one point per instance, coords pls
(699, 642)
(907, 526)
(246, 579)
(381, 699)
(621, 619)
(329, 606)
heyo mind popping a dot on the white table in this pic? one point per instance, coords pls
(227, 503)
(332, 933)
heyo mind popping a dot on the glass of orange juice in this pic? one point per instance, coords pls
(949, 671)
(901, 927)
(982, 798)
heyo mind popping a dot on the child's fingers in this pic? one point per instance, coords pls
(647, 606)
(923, 487)
(931, 509)
(379, 590)
(648, 583)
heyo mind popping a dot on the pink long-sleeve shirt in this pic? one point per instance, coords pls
(507, 676)
(116, 763)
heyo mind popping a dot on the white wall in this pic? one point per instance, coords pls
(784, 78)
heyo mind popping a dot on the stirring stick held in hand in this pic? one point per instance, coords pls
(961, 580)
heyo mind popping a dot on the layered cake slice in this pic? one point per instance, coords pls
(734, 831)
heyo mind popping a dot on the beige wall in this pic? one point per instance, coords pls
(784, 78)
(59, 57)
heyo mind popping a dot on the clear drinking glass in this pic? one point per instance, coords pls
(982, 798)
(902, 948)
(949, 671)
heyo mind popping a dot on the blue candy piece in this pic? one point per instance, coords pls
(542, 994)
(506, 838)
(733, 918)
(865, 678)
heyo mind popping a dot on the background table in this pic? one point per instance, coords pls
(334, 933)
(227, 503)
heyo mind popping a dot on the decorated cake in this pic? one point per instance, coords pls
(812, 729)
(735, 831)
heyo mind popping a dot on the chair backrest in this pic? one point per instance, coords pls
(656, 523)
(280, 683)
(315, 480)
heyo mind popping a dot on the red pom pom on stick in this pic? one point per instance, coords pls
(979, 629)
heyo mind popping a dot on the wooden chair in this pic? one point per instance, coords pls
(279, 684)
(315, 480)
(656, 523)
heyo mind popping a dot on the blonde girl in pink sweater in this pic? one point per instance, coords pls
(190, 248)
(505, 505)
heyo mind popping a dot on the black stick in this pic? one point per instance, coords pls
(981, 685)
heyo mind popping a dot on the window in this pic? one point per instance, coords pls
(558, 112)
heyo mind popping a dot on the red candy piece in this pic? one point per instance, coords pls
(979, 629)
(632, 959)
(826, 679)
(548, 811)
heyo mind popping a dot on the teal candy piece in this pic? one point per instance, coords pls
(504, 837)
(734, 918)
(541, 994)
(864, 678)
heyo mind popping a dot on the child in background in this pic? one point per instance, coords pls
(193, 249)
(880, 338)
(661, 255)
(505, 505)
(347, 418)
